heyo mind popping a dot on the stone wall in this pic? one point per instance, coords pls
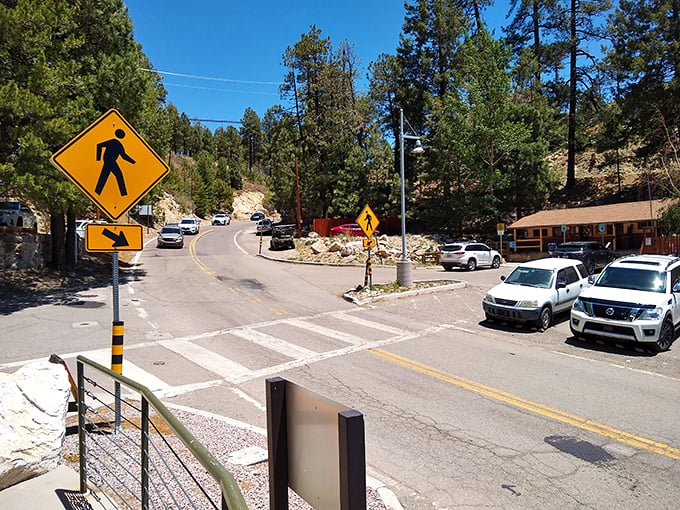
(23, 249)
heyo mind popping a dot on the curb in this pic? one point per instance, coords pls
(407, 293)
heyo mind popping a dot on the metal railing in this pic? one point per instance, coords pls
(151, 460)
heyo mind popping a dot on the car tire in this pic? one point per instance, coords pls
(471, 265)
(496, 262)
(544, 318)
(447, 267)
(666, 336)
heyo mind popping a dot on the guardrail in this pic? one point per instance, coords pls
(151, 460)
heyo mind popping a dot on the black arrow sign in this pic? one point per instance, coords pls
(119, 240)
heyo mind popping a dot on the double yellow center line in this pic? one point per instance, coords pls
(547, 411)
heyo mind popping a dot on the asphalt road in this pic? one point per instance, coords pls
(459, 413)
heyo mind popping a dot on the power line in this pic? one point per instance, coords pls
(220, 90)
(199, 77)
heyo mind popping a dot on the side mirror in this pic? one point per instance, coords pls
(561, 284)
(502, 277)
(591, 279)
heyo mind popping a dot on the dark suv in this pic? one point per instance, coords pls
(282, 237)
(593, 255)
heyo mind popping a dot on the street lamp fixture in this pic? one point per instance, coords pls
(404, 265)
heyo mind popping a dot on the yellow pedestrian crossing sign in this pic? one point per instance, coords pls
(368, 221)
(111, 163)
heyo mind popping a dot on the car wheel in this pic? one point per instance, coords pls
(471, 265)
(447, 267)
(544, 318)
(666, 336)
(496, 262)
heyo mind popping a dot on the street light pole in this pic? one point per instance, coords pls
(404, 265)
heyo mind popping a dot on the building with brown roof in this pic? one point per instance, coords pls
(627, 226)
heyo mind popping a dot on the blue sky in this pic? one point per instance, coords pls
(220, 57)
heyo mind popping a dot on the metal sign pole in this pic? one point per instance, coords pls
(116, 342)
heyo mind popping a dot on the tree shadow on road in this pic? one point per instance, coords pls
(27, 288)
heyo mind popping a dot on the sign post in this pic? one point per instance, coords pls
(500, 230)
(368, 222)
(564, 233)
(115, 168)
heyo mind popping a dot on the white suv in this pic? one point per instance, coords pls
(468, 255)
(190, 226)
(17, 214)
(535, 291)
(635, 299)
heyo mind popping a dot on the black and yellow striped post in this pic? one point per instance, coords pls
(117, 334)
(368, 275)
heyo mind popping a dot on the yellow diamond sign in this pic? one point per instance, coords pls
(368, 221)
(111, 164)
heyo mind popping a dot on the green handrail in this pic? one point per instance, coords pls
(231, 493)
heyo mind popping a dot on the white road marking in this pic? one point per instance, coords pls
(369, 324)
(210, 360)
(272, 343)
(324, 331)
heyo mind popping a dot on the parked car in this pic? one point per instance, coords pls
(221, 219)
(264, 226)
(593, 255)
(282, 237)
(635, 299)
(468, 255)
(535, 291)
(17, 214)
(80, 227)
(190, 226)
(349, 229)
(170, 235)
(257, 216)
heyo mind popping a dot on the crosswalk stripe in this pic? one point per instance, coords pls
(207, 359)
(324, 331)
(272, 343)
(369, 324)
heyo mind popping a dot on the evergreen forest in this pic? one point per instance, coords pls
(492, 111)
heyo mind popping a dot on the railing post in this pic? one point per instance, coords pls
(145, 453)
(82, 451)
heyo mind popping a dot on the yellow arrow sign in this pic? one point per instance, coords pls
(369, 244)
(104, 237)
(111, 164)
(368, 221)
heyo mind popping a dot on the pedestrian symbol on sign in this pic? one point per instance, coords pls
(112, 150)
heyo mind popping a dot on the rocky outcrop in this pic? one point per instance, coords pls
(32, 421)
(23, 250)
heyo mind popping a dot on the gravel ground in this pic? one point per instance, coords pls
(221, 437)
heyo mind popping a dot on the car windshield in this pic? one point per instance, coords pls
(531, 277)
(187, 221)
(632, 279)
(9, 205)
(170, 230)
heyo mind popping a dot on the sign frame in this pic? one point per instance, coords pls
(365, 221)
(103, 237)
(111, 149)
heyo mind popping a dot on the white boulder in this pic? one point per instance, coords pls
(32, 420)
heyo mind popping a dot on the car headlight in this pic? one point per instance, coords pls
(578, 306)
(489, 299)
(529, 303)
(651, 314)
